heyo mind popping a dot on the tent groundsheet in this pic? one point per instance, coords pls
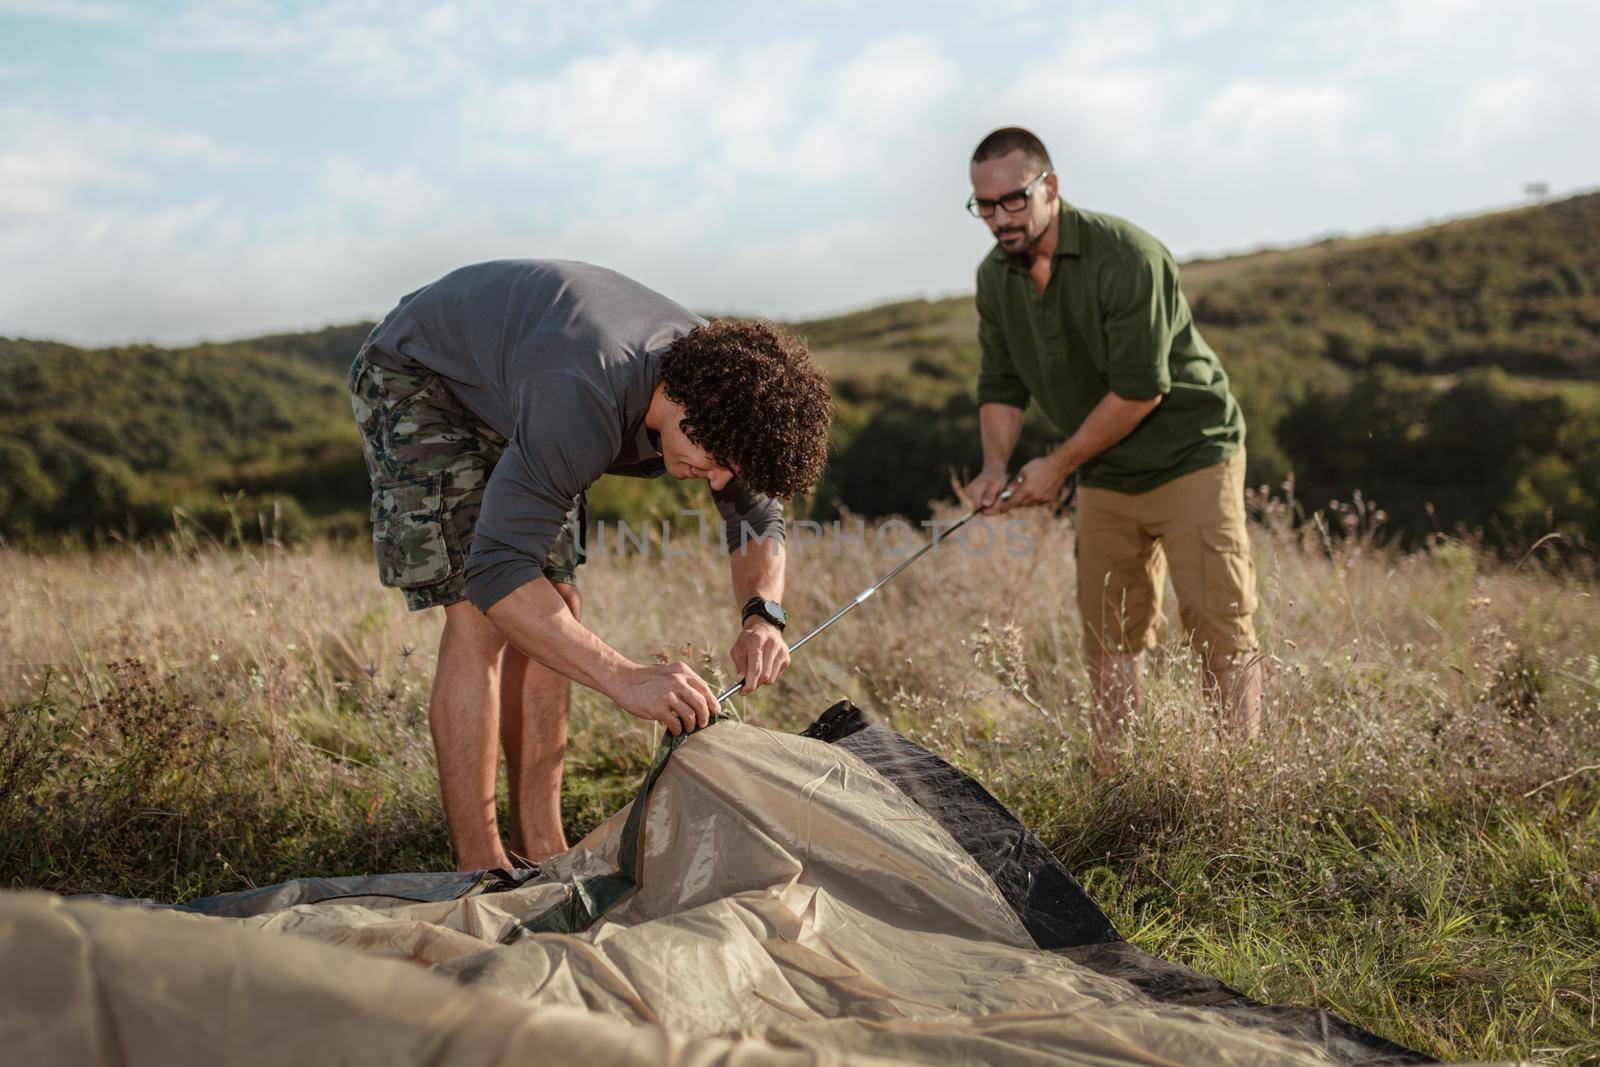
(839, 897)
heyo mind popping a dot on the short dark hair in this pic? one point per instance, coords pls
(754, 400)
(1008, 139)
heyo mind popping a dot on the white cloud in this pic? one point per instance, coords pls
(1105, 94)
(76, 10)
(879, 103)
(1500, 107)
(1252, 119)
(654, 114)
(631, 106)
(48, 159)
(398, 47)
(1415, 40)
(642, 111)
(89, 262)
(203, 269)
(406, 53)
(1119, 112)
(1370, 38)
(1192, 18)
(800, 164)
(389, 200)
(355, 239)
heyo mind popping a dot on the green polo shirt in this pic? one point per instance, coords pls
(1112, 319)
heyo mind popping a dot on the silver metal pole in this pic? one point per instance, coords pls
(867, 592)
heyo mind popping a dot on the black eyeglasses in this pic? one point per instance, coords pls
(1012, 202)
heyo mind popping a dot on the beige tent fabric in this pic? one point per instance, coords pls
(795, 907)
(101, 986)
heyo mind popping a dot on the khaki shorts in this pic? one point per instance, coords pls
(429, 458)
(1194, 524)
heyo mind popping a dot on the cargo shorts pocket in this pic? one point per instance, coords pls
(1230, 578)
(407, 420)
(414, 544)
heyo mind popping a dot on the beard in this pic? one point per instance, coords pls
(1014, 249)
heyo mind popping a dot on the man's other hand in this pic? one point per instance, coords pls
(984, 491)
(1038, 482)
(669, 693)
(760, 654)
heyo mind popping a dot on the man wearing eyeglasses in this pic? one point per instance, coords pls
(1082, 313)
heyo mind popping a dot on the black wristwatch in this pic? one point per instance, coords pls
(770, 610)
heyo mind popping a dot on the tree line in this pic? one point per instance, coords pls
(1451, 375)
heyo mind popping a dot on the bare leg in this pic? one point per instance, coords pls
(1117, 695)
(1233, 680)
(534, 702)
(463, 714)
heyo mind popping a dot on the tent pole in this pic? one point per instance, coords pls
(868, 591)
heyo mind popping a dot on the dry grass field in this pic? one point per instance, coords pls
(1414, 842)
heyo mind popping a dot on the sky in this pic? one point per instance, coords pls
(173, 171)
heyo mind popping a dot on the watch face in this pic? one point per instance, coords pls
(774, 611)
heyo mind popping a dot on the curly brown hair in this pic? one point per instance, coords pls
(754, 400)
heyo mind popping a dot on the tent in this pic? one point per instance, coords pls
(841, 897)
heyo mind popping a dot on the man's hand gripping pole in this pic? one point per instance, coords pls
(862, 596)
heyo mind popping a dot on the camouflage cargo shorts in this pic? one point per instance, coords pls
(429, 459)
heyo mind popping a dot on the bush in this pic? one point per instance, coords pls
(871, 474)
(1480, 454)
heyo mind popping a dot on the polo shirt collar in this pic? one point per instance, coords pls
(1070, 243)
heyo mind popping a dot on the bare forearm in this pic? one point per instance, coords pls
(757, 570)
(999, 426)
(535, 619)
(1109, 422)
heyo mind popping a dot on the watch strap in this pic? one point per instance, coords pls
(757, 605)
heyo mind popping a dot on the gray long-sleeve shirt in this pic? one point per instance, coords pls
(560, 358)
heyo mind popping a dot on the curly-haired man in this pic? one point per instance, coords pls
(488, 402)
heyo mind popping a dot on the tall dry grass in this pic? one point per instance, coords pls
(1413, 840)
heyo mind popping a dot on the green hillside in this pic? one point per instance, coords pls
(1518, 290)
(1456, 366)
(1451, 373)
(112, 439)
